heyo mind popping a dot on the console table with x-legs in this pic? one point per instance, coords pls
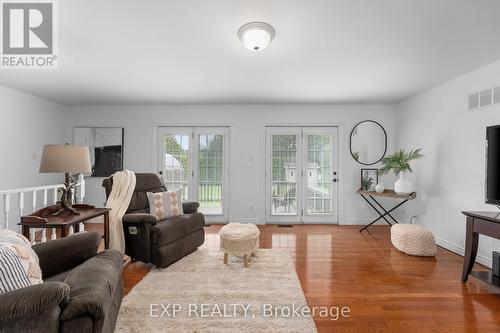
(383, 213)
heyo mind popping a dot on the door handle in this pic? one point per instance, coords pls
(335, 179)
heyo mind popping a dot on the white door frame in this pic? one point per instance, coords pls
(193, 133)
(302, 216)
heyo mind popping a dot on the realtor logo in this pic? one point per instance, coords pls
(28, 34)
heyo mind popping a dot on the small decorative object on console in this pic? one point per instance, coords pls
(369, 179)
(380, 188)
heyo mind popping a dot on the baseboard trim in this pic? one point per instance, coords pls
(253, 220)
(460, 251)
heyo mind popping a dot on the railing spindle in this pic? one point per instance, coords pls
(33, 203)
(34, 200)
(21, 203)
(54, 195)
(6, 209)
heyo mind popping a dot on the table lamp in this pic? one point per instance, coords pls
(67, 159)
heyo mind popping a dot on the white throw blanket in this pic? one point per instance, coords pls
(118, 201)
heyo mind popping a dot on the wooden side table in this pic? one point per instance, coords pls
(43, 219)
(485, 223)
(386, 194)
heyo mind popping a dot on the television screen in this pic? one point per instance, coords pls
(493, 165)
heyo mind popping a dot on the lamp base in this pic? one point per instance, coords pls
(65, 201)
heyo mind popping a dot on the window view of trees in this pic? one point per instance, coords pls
(317, 174)
(210, 168)
(176, 168)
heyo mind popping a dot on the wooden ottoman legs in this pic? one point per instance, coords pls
(246, 259)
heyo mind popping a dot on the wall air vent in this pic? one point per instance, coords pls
(484, 99)
(473, 101)
(496, 95)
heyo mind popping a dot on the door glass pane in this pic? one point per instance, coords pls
(284, 175)
(210, 168)
(319, 173)
(176, 163)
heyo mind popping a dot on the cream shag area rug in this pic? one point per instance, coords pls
(201, 294)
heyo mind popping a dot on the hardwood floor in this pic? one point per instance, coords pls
(385, 290)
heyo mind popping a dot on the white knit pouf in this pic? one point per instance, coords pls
(413, 240)
(240, 240)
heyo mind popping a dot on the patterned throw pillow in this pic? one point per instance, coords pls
(165, 204)
(19, 265)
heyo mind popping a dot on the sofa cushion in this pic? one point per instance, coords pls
(175, 228)
(165, 204)
(92, 285)
(19, 266)
(64, 254)
(145, 182)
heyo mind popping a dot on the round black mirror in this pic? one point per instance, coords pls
(368, 142)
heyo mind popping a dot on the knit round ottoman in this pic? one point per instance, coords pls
(413, 240)
(240, 240)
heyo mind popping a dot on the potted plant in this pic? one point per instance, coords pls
(399, 162)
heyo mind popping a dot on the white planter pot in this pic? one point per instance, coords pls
(403, 185)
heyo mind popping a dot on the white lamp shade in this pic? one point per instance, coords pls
(256, 40)
(256, 36)
(65, 159)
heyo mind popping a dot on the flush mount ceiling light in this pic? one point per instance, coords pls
(256, 35)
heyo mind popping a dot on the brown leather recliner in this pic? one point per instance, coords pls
(158, 242)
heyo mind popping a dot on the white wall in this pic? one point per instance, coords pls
(451, 176)
(26, 124)
(247, 139)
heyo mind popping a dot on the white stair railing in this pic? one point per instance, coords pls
(50, 196)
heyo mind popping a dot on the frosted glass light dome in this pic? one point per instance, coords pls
(256, 36)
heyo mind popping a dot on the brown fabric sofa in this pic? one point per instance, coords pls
(158, 242)
(82, 290)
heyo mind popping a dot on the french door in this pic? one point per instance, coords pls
(301, 174)
(194, 161)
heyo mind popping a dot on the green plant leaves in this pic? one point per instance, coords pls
(399, 161)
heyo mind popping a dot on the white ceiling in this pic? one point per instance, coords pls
(336, 51)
